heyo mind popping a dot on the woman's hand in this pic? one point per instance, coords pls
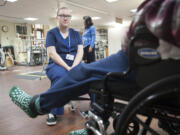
(68, 68)
(90, 49)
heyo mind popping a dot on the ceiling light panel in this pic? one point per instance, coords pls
(11, 0)
(96, 18)
(133, 10)
(110, 1)
(30, 19)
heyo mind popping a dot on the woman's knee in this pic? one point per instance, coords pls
(56, 73)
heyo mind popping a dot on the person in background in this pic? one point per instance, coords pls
(65, 49)
(89, 38)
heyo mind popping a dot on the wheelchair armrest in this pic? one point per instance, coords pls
(114, 75)
(102, 84)
(80, 98)
(117, 75)
(119, 88)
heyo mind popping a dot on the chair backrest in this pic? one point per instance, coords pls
(156, 71)
(142, 48)
(145, 59)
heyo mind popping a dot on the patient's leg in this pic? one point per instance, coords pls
(75, 82)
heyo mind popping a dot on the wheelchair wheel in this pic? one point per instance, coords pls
(148, 96)
(132, 128)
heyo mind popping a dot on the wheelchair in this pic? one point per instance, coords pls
(153, 94)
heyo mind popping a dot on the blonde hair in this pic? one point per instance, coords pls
(62, 8)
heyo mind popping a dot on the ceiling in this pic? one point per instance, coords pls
(46, 10)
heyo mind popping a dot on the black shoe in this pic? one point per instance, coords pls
(51, 119)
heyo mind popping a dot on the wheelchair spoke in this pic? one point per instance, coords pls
(132, 128)
(153, 132)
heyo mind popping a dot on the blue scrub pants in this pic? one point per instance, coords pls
(54, 74)
(76, 82)
(89, 56)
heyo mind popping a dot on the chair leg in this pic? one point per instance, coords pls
(72, 106)
(42, 70)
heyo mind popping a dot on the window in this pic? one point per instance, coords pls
(21, 29)
(38, 30)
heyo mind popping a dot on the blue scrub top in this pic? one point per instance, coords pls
(54, 38)
(89, 36)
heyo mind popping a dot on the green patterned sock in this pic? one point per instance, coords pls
(22, 100)
(79, 132)
(37, 105)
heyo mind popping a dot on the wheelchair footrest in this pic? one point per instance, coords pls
(95, 124)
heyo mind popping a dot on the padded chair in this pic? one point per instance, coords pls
(154, 93)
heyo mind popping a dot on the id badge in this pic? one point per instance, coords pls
(69, 57)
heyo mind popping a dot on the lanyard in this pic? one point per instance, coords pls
(67, 43)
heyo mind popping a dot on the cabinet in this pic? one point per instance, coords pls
(36, 52)
(101, 45)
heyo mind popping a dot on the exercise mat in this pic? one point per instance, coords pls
(31, 75)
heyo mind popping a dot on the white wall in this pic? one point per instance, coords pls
(7, 38)
(52, 23)
(115, 36)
